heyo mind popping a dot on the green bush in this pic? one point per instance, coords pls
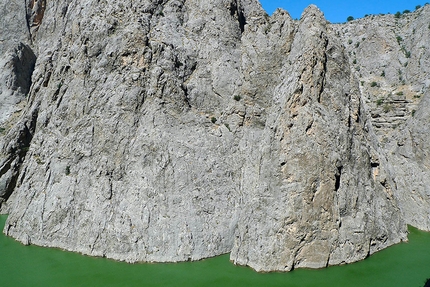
(373, 84)
(67, 171)
(397, 15)
(383, 74)
(237, 98)
(350, 18)
(399, 39)
(417, 7)
(213, 120)
(379, 102)
(413, 112)
(406, 11)
(387, 108)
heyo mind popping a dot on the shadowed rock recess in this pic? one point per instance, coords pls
(178, 130)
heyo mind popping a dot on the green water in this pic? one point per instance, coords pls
(403, 265)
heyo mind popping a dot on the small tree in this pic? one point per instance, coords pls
(399, 39)
(407, 54)
(397, 15)
(387, 108)
(350, 18)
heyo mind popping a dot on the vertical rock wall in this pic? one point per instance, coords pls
(315, 202)
(390, 57)
(179, 130)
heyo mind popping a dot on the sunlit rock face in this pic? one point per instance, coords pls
(167, 131)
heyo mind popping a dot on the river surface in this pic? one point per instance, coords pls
(402, 265)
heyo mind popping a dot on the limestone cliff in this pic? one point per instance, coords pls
(179, 130)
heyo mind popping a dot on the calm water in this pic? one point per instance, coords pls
(403, 265)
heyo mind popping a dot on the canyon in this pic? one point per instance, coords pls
(176, 130)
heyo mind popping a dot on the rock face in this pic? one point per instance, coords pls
(314, 201)
(391, 58)
(17, 59)
(179, 130)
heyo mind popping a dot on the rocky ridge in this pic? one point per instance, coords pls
(179, 130)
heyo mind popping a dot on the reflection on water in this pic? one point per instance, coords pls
(405, 264)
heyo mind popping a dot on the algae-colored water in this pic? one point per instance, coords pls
(403, 265)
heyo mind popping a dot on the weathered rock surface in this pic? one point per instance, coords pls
(314, 195)
(16, 59)
(179, 130)
(390, 57)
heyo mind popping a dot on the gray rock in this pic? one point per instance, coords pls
(393, 53)
(17, 59)
(314, 201)
(179, 130)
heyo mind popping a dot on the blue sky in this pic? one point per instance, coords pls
(338, 11)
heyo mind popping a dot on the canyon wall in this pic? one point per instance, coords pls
(166, 131)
